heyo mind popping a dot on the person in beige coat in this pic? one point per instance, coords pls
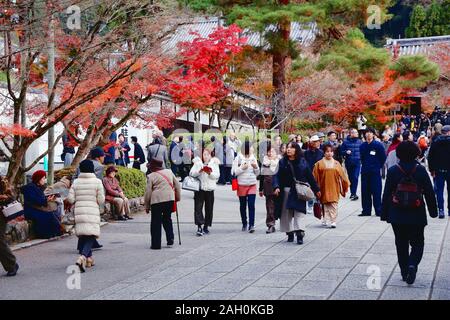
(88, 195)
(163, 190)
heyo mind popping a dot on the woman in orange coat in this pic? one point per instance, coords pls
(333, 182)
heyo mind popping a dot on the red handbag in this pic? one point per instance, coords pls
(234, 184)
(318, 210)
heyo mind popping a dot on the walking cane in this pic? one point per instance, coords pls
(178, 225)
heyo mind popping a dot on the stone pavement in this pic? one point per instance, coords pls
(355, 261)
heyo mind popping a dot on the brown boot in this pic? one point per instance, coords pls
(90, 262)
(81, 263)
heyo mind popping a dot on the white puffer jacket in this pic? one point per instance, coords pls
(245, 177)
(208, 182)
(88, 195)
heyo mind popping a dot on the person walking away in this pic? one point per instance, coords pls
(245, 168)
(115, 195)
(139, 156)
(350, 153)
(40, 208)
(422, 142)
(159, 152)
(373, 157)
(333, 182)
(87, 194)
(439, 166)
(7, 258)
(206, 170)
(124, 148)
(403, 207)
(292, 167)
(163, 190)
(69, 144)
(268, 170)
(391, 159)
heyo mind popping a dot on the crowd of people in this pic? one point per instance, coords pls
(304, 175)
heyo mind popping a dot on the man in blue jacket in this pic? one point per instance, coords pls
(350, 152)
(373, 156)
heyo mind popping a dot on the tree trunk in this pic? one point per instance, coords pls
(279, 59)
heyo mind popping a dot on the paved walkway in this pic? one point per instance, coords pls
(355, 261)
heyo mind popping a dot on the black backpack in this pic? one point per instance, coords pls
(408, 193)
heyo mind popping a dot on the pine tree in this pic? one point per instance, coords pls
(331, 16)
(417, 24)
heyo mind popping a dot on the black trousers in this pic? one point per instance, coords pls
(7, 259)
(406, 236)
(161, 215)
(207, 198)
(137, 165)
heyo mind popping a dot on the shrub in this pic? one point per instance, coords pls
(132, 181)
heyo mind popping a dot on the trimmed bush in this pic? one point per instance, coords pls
(132, 181)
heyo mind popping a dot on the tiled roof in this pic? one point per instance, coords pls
(303, 33)
(411, 46)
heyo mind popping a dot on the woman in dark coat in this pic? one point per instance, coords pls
(292, 210)
(42, 210)
(408, 224)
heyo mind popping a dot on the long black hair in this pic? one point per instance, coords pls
(298, 150)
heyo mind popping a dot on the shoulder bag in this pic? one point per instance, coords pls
(303, 189)
(12, 210)
(191, 184)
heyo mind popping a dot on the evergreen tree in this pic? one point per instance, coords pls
(273, 19)
(417, 24)
(433, 25)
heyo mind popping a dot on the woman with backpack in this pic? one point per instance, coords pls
(163, 190)
(206, 170)
(403, 206)
(245, 168)
(293, 167)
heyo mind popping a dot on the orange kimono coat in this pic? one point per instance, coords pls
(333, 182)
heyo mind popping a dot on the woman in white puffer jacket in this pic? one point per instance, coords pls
(207, 171)
(88, 195)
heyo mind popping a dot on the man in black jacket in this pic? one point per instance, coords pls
(139, 156)
(439, 166)
(313, 154)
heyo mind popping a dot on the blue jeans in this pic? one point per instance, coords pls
(250, 199)
(85, 244)
(353, 171)
(371, 191)
(439, 183)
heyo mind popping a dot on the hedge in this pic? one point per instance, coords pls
(132, 181)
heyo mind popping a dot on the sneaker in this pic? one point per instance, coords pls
(411, 277)
(128, 218)
(355, 198)
(170, 242)
(324, 223)
(441, 214)
(121, 218)
(333, 225)
(244, 227)
(13, 272)
(352, 196)
(205, 230)
(251, 229)
(199, 232)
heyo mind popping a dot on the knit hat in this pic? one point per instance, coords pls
(38, 175)
(111, 169)
(87, 166)
(97, 152)
(155, 165)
